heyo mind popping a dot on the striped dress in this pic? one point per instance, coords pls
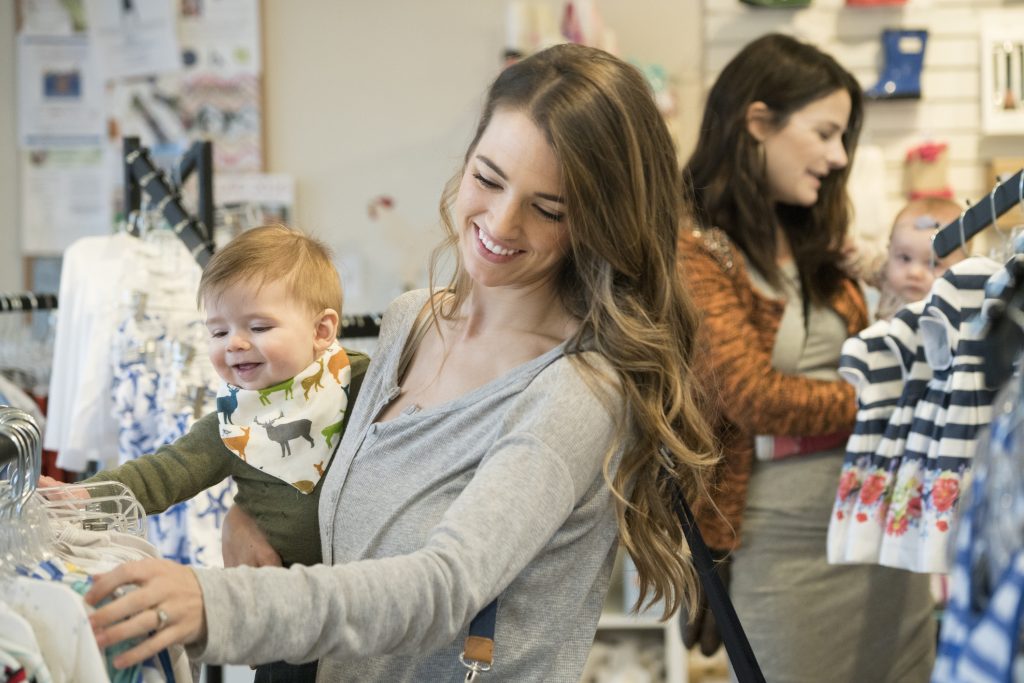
(870, 365)
(867, 490)
(945, 425)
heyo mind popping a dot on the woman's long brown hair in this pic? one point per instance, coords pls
(621, 182)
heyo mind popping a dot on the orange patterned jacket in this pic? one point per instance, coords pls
(737, 335)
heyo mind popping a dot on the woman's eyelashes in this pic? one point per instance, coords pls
(550, 216)
(488, 184)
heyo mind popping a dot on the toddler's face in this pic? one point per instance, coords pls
(910, 269)
(259, 336)
(912, 266)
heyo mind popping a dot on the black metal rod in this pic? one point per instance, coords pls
(360, 325)
(199, 157)
(205, 179)
(26, 302)
(132, 193)
(153, 182)
(1007, 195)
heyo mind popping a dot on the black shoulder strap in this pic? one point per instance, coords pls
(741, 655)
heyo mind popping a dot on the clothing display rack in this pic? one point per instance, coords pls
(20, 441)
(141, 175)
(10, 446)
(1004, 340)
(973, 220)
(364, 325)
(23, 302)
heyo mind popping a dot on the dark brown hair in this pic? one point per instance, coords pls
(725, 178)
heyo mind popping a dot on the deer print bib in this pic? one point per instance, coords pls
(291, 429)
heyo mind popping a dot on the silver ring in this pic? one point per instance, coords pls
(161, 618)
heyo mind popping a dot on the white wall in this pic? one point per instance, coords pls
(10, 250)
(948, 111)
(370, 98)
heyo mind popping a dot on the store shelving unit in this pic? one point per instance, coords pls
(616, 624)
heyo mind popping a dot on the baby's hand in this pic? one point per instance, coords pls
(46, 487)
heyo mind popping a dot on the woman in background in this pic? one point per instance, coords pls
(762, 258)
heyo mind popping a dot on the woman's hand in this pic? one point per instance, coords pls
(703, 629)
(164, 606)
(243, 544)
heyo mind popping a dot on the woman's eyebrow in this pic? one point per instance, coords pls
(497, 169)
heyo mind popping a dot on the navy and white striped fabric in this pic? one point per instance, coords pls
(898, 489)
(869, 364)
(869, 486)
(945, 422)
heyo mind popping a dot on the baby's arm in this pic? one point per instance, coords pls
(176, 472)
(46, 482)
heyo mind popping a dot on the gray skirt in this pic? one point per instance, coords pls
(809, 621)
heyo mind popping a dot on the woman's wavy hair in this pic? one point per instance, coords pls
(725, 177)
(619, 279)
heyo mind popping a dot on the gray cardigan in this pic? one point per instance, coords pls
(426, 518)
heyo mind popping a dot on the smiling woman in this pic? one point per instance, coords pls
(512, 214)
(513, 425)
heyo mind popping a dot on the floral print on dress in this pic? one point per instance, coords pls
(896, 506)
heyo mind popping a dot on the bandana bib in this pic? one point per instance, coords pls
(291, 429)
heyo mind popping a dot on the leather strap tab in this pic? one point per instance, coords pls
(479, 649)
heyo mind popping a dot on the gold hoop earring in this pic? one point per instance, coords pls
(762, 158)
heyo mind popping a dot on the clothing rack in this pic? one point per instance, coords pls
(20, 441)
(1004, 197)
(1005, 337)
(140, 174)
(364, 325)
(24, 302)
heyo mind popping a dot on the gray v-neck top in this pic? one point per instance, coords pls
(427, 517)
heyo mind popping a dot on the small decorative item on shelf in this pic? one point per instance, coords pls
(778, 4)
(901, 72)
(927, 171)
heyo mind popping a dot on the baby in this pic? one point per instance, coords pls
(272, 299)
(911, 266)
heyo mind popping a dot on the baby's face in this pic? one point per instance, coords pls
(912, 265)
(259, 336)
(910, 269)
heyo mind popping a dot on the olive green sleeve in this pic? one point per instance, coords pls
(196, 461)
(178, 471)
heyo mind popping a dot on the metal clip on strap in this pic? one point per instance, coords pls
(478, 651)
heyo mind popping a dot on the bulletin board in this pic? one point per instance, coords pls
(93, 71)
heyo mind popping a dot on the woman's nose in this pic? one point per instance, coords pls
(505, 220)
(837, 157)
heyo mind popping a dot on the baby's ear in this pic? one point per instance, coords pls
(326, 330)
